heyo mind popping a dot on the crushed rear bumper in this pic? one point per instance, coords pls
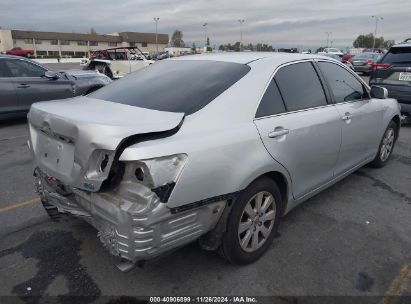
(131, 221)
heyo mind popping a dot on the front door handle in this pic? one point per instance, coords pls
(347, 116)
(23, 86)
(278, 133)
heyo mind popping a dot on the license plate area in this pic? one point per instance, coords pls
(55, 155)
(404, 76)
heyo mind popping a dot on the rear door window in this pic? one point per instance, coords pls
(344, 86)
(272, 102)
(300, 86)
(398, 55)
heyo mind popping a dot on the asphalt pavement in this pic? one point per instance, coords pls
(353, 239)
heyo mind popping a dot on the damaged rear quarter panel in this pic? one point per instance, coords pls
(85, 125)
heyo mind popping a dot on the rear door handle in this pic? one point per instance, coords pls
(23, 86)
(278, 133)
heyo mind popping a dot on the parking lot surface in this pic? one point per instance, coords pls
(352, 239)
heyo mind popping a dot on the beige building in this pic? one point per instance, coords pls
(56, 44)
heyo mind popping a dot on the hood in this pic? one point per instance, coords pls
(70, 139)
(84, 74)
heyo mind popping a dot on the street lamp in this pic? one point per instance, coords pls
(377, 18)
(205, 36)
(328, 37)
(156, 21)
(241, 33)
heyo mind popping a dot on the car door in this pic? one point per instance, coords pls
(32, 86)
(299, 128)
(361, 117)
(8, 94)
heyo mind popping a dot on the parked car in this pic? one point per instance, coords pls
(116, 62)
(393, 71)
(18, 51)
(347, 58)
(218, 156)
(334, 51)
(23, 82)
(340, 59)
(364, 62)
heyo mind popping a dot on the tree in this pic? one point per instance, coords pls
(237, 46)
(177, 39)
(93, 31)
(367, 41)
(208, 41)
(221, 47)
(193, 48)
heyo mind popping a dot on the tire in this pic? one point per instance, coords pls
(386, 146)
(231, 248)
(104, 69)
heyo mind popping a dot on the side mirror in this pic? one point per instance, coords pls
(51, 75)
(379, 92)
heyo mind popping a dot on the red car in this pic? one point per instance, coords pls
(347, 57)
(20, 52)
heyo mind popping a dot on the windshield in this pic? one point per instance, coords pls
(183, 86)
(398, 55)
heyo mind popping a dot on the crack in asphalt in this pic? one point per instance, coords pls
(57, 253)
(380, 184)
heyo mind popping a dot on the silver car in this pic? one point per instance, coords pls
(212, 147)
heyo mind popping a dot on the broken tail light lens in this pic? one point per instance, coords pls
(157, 173)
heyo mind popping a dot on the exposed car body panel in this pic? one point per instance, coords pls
(68, 137)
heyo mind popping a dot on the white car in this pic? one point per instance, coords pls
(333, 51)
(116, 62)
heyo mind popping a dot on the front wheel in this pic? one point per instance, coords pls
(386, 146)
(252, 223)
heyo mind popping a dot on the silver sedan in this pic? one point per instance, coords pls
(212, 147)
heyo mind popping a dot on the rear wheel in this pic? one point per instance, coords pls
(104, 69)
(252, 223)
(386, 146)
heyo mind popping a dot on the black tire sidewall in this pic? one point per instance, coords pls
(231, 246)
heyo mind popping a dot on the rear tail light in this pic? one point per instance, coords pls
(380, 66)
(370, 62)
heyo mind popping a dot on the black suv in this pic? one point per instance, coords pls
(393, 71)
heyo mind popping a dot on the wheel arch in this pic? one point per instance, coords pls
(283, 185)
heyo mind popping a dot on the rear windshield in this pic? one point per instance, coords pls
(397, 55)
(174, 86)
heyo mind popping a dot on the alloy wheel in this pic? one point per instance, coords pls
(387, 144)
(256, 221)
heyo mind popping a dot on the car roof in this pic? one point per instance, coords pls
(248, 57)
(11, 56)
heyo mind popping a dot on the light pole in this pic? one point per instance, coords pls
(241, 33)
(156, 21)
(377, 18)
(205, 36)
(328, 37)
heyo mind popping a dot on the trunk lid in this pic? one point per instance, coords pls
(71, 139)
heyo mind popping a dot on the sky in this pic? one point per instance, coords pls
(286, 23)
